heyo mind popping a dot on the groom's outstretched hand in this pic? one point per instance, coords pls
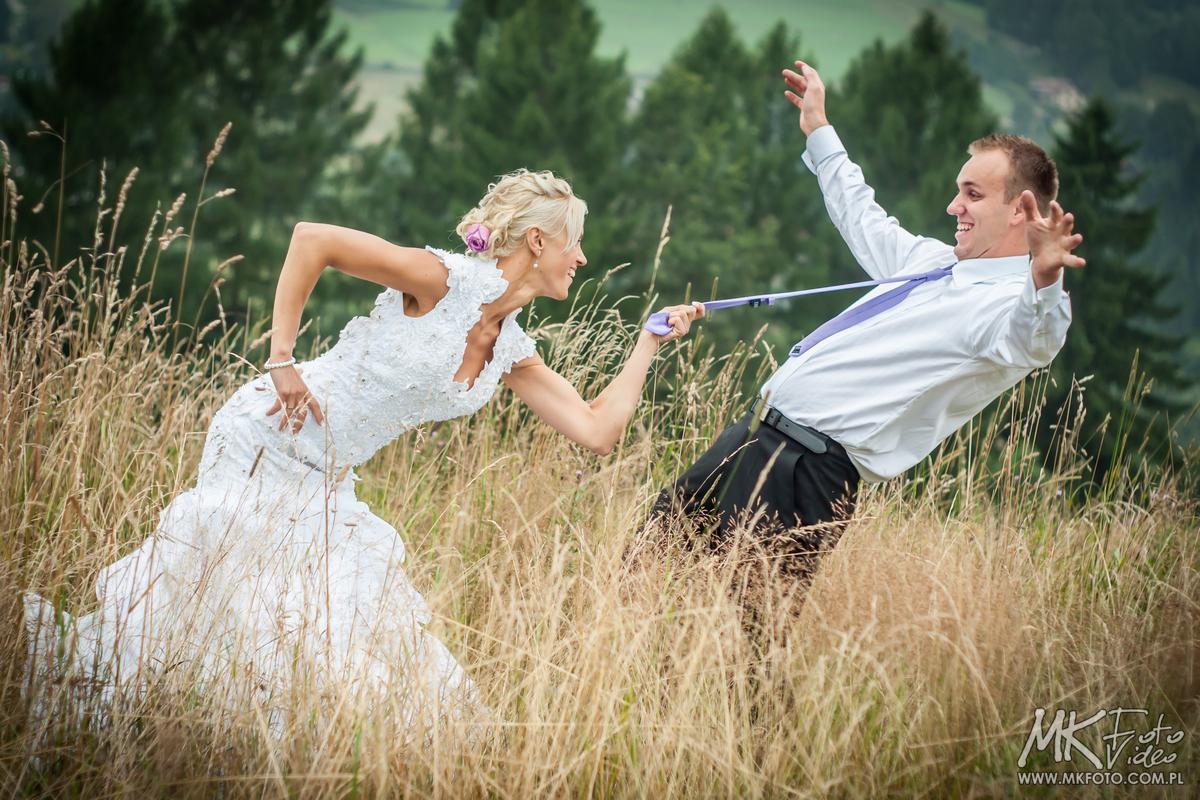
(1050, 239)
(806, 92)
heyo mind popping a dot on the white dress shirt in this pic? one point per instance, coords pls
(891, 388)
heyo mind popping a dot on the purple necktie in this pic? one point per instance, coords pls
(864, 311)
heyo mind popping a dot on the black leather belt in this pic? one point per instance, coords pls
(809, 438)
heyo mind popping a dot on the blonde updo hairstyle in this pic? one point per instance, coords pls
(522, 200)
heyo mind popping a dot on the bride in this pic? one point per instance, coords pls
(269, 569)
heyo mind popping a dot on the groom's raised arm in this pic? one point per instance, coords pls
(877, 241)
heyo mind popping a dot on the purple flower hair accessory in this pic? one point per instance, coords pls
(478, 237)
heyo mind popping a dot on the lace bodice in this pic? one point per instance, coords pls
(388, 372)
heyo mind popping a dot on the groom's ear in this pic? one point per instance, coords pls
(1018, 211)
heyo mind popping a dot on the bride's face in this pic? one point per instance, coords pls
(558, 264)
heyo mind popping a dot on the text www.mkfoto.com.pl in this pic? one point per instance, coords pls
(1100, 778)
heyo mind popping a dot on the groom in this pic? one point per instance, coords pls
(872, 392)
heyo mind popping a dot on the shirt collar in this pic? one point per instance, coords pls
(988, 270)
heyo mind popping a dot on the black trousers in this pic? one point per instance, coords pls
(796, 502)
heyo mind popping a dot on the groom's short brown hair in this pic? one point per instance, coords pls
(1028, 167)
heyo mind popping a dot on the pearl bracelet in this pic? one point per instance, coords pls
(274, 365)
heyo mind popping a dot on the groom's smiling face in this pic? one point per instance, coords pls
(983, 217)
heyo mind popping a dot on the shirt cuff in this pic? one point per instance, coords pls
(822, 143)
(1046, 298)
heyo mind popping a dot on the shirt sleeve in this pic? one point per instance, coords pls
(878, 243)
(1029, 331)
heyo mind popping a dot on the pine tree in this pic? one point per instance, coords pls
(1171, 158)
(121, 103)
(1117, 310)
(168, 77)
(716, 141)
(277, 72)
(517, 84)
(906, 114)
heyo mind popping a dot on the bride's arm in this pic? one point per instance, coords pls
(597, 425)
(315, 246)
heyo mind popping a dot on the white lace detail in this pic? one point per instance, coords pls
(390, 372)
(252, 547)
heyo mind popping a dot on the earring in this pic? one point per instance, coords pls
(535, 264)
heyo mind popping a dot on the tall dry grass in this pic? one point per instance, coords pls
(956, 603)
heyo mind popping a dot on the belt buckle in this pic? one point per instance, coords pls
(794, 431)
(759, 409)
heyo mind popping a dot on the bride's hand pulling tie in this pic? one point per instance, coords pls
(677, 318)
(294, 397)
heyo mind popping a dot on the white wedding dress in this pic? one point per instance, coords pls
(270, 565)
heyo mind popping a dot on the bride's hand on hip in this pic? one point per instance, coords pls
(680, 319)
(294, 398)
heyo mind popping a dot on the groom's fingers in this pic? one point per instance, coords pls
(1056, 213)
(809, 74)
(793, 99)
